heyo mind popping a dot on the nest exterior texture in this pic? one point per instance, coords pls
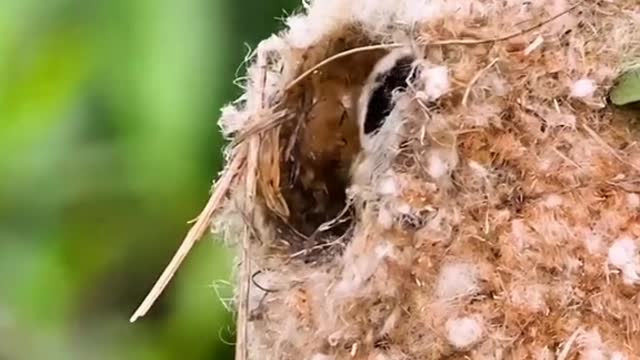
(493, 215)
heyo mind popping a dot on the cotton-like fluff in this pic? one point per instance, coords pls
(623, 255)
(464, 332)
(583, 88)
(456, 279)
(436, 82)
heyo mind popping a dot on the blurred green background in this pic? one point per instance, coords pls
(108, 146)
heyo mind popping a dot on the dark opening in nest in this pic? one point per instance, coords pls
(321, 144)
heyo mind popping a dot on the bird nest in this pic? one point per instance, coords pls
(436, 180)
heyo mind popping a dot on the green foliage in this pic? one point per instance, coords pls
(108, 145)
(627, 89)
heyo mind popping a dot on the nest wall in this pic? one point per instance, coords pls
(489, 211)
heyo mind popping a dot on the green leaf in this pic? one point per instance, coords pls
(627, 88)
(41, 83)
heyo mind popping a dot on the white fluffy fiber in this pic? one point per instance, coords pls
(456, 279)
(435, 81)
(325, 15)
(583, 88)
(464, 332)
(623, 255)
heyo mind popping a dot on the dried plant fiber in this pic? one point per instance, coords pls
(488, 211)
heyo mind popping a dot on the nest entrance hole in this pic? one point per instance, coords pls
(323, 142)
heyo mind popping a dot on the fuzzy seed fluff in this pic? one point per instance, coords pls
(463, 332)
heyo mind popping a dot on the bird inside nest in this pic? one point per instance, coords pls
(344, 104)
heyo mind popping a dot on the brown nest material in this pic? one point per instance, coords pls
(416, 179)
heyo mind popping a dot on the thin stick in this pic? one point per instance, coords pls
(316, 247)
(244, 277)
(475, 79)
(251, 180)
(506, 37)
(242, 350)
(339, 56)
(195, 233)
(268, 122)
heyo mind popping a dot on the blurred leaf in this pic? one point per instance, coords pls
(108, 145)
(156, 74)
(627, 89)
(44, 303)
(42, 86)
(198, 308)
